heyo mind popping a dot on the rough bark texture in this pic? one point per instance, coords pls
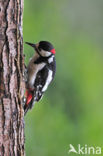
(11, 78)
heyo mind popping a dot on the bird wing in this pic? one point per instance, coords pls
(41, 83)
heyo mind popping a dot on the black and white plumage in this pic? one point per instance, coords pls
(41, 71)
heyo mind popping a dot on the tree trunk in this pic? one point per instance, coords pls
(11, 78)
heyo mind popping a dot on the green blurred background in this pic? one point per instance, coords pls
(71, 112)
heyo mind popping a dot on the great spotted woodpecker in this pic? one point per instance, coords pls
(40, 72)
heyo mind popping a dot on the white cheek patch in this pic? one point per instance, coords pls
(45, 53)
(49, 79)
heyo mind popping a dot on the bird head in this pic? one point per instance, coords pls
(43, 48)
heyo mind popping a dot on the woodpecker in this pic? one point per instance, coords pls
(40, 72)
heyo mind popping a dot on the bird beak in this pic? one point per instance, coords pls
(31, 44)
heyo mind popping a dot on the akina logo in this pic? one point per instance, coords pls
(85, 149)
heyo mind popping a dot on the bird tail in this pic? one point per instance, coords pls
(26, 109)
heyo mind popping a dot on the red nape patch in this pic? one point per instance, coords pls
(53, 51)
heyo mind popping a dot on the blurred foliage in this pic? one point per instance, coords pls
(71, 111)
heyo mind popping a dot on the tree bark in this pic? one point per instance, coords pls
(11, 78)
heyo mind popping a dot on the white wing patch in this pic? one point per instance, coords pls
(49, 78)
(50, 59)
